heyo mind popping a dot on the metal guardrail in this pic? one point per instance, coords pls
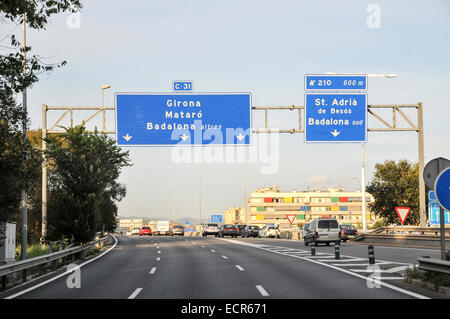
(435, 265)
(23, 265)
(411, 232)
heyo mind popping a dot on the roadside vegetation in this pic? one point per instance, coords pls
(434, 278)
(395, 184)
(83, 167)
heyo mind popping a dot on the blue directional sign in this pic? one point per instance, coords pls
(432, 196)
(433, 213)
(336, 82)
(161, 119)
(182, 86)
(187, 221)
(216, 218)
(335, 117)
(442, 188)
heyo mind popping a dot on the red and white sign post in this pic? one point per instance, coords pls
(291, 218)
(402, 213)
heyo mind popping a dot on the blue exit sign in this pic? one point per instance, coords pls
(182, 86)
(338, 82)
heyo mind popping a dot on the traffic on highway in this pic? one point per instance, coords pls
(224, 159)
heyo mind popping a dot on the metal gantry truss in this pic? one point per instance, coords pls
(397, 110)
(387, 125)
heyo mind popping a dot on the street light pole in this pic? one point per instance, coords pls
(363, 189)
(23, 250)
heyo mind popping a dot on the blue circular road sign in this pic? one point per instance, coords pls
(442, 188)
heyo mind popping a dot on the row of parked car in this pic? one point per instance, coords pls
(268, 231)
(147, 231)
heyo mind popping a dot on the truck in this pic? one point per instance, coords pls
(162, 227)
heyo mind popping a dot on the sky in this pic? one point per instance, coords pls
(262, 47)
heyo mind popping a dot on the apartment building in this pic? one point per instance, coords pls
(271, 205)
(235, 215)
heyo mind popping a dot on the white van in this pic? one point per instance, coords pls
(323, 230)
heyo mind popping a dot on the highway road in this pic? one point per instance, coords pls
(214, 268)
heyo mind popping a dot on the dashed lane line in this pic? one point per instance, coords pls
(262, 291)
(320, 262)
(239, 267)
(152, 271)
(135, 293)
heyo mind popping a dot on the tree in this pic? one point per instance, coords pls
(395, 184)
(83, 172)
(37, 14)
(15, 172)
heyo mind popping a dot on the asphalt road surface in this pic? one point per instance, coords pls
(211, 268)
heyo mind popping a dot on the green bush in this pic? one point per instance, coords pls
(435, 278)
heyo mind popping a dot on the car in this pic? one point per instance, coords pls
(228, 230)
(210, 229)
(240, 228)
(347, 231)
(322, 230)
(135, 231)
(250, 231)
(177, 230)
(145, 231)
(269, 231)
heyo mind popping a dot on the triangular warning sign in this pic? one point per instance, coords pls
(291, 218)
(402, 213)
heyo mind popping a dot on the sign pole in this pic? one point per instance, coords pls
(422, 207)
(363, 189)
(441, 167)
(442, 228)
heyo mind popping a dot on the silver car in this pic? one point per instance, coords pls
(323, 230)
(211, 229)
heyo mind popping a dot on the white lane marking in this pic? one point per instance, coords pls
(356, 265)
(135, 293)
(224, 257)
(64, 273)
(158, 259)
(157, 247)
(392, 270)
(239, 267)
(153, 270)
(213, 250)
(262, 291)
(370, 270)
(159, 251)
(374, 280)
(397, 269)
(312, 257)
(203, 246)
(343, 260)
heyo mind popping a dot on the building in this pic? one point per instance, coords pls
(234, 215)
(129, 223)
(270, 205)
